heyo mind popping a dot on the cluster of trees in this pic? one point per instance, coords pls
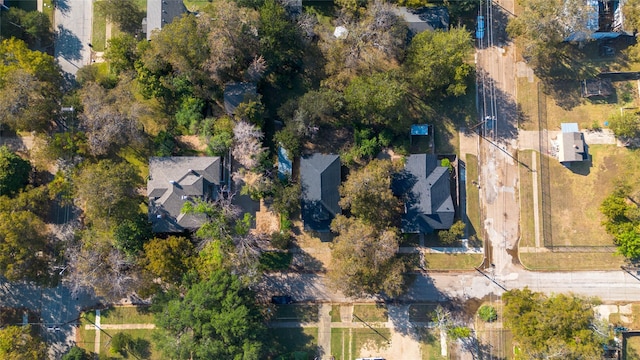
(364, 252)
(376, 80)
(625, 125)
(21, 343)
(622, 220)
(556, 326)
(543, 25)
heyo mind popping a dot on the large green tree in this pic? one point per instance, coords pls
(625, 125)
(367, 194)
(216, 319)
(124, 13)
(558, 326)
(106, 192)
(364, 260)
(279, 41)
(33, 27)
(20, 343)
(121, 53)
(623, 221)
(380, 99)
(14, 172)
(23, 246)
(170, 258)
(544, 24)
(30, 83)
(438, 62)
(111, 117)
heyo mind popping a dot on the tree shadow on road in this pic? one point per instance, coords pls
(62, 5)
(68, 45)
(493, 100)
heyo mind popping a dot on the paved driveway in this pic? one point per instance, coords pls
(73, 24)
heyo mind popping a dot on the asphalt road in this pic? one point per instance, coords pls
(73, 25)
(57, 307)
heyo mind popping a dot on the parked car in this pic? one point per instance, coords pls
(282, 300)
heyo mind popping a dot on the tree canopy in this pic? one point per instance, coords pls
(105, 191)
(170, 258)
(367, 194)
(623, 221)
(30, 83)
(545, 24)
(23, 253)
(625, 125)
(124, 13)
(438, 61)
(364, 259)
(555, 326)
(14, 172)
(20, 343)
(216, 319)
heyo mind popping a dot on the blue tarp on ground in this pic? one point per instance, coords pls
(420, 129)
(569, 127)
(284, 163)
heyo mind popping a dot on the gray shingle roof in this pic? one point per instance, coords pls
(571, 147)
(426, 188)
(320, 179)
(161, 13)
(425, 18)
(174, 180)
(236, 93)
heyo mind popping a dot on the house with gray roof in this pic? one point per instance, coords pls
(320, 179)
(427, 18)
(161, 13)
(571, 145)
(175, 180)
(237, 93)
(425, 187)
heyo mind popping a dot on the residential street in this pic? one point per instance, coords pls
(73, 25)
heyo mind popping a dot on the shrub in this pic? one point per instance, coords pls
(459, 332)
(488, 313)
(280, 239)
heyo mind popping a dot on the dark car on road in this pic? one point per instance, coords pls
(282, 300)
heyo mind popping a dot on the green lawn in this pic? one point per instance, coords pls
(576, 197)
(453, 261)
(297, 312)
(47, 9)
(473, 197)
(194, 5)
(142, 337)
(554, 261)
(296, 340)
(527, 228)
(346, 343)
(340, 349)
(125, 315)
(632, 348)
(335, 313)
(98, 31)
(430, 345)
(370, 313)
